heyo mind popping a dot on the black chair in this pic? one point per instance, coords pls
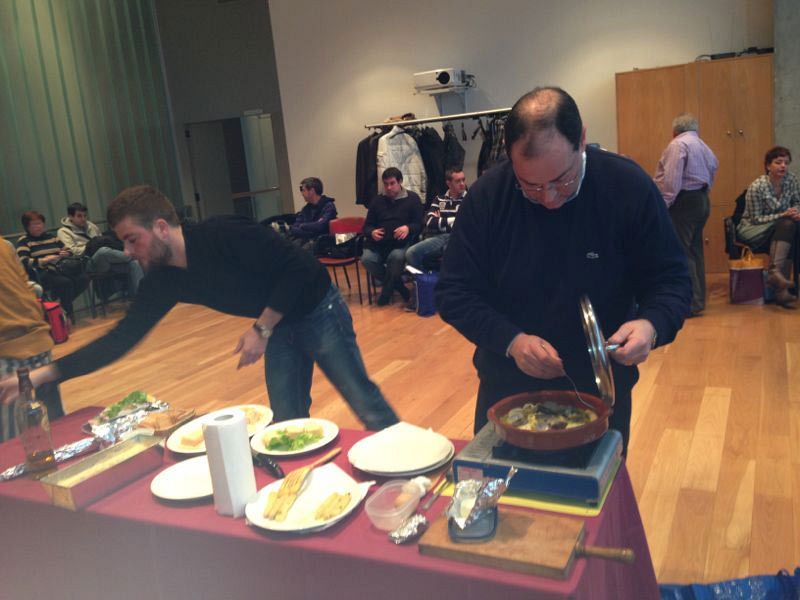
(104, 285)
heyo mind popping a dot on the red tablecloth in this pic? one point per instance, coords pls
(131, 545)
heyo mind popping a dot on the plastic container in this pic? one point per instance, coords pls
(393, 502)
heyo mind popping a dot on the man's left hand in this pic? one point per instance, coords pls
(401, 232)
(252, 347)
(635, 339)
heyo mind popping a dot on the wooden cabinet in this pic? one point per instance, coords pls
(733, 101)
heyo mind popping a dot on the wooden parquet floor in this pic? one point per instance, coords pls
(715, 447)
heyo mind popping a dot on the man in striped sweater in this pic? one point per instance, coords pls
(439, 221)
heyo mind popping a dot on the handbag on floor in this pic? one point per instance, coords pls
(747, 279)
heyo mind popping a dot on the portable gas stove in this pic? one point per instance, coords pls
(576, 474)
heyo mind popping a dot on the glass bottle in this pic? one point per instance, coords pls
(33, 426)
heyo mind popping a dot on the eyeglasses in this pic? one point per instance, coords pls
(560, 187)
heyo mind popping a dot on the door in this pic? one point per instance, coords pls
(234, 167)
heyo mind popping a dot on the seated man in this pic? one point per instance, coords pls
(439, 221)
(394, 220)
(314, 218)
(75, 232)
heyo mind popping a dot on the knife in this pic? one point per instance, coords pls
(269, 465)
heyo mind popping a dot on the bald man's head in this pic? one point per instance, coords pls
(538, 116)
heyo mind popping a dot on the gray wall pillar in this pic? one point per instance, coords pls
(787, 75)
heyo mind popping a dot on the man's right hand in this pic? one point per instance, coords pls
(377, 234)
(536, 357)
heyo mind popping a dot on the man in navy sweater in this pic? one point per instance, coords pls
(240, 268)
(535, 233)
(315, 217)
(394, 220)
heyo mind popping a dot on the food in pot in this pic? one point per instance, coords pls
(293, 437)
(548, 416)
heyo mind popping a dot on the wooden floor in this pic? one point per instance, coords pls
(715, 448)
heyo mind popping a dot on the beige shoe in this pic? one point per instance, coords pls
(776, 280)
(785, 298)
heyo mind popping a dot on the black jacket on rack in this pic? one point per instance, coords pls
(453, 151)
(367, 169)
(431, 148)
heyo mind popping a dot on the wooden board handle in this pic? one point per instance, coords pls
(323, 459)
(625, 555)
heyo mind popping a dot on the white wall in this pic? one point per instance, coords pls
(344, 63)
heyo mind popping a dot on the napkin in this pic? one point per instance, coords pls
(400, 448)
(229, 461)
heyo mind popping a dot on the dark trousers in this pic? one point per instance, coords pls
(689, 214)
(620, 419)
(66, 289)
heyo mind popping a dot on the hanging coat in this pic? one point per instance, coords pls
(398, 149)
(366, 167)
(453, 151)
(431, 148)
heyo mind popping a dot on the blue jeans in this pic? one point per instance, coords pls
(104, 258)
(432, 246)
(326, 337)
(385, 265)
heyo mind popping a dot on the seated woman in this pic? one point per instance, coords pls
(772, 214)
(41, 253)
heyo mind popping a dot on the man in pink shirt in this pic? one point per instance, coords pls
(684, 175)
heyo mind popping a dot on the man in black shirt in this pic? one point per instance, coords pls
(394, 221)
(241, 268)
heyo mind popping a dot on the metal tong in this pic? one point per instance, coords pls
(269, 465)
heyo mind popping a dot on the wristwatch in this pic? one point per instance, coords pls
(262, 330)
(655, 339)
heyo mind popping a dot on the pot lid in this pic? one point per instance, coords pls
(598, 353)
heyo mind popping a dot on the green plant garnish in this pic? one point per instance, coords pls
(283, 442)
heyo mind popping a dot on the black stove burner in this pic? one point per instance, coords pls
(573, 458)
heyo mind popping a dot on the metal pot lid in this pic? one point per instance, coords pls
(598, 353)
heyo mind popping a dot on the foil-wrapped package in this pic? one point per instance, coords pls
(474, 497)
(112, 431)
(61, 454)
(409, 530)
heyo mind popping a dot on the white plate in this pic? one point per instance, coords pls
(262, 416)
(329, 432)
(400, 449)
(320, 484)
(187, 480)
(403, 474)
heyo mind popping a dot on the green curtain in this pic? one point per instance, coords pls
(83, 106)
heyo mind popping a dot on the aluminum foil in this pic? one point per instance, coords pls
(409, 530)
(112, 431)
(61, 454)
(474, 497)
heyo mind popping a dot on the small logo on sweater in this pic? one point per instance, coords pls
(592, 255)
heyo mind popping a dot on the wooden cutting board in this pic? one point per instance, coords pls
(533, 543)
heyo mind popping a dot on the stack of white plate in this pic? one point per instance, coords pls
(402, 450)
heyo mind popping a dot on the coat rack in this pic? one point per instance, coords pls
(457, 117)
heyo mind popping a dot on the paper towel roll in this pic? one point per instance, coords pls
(229, 460)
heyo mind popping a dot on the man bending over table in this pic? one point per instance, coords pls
(240, 268)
